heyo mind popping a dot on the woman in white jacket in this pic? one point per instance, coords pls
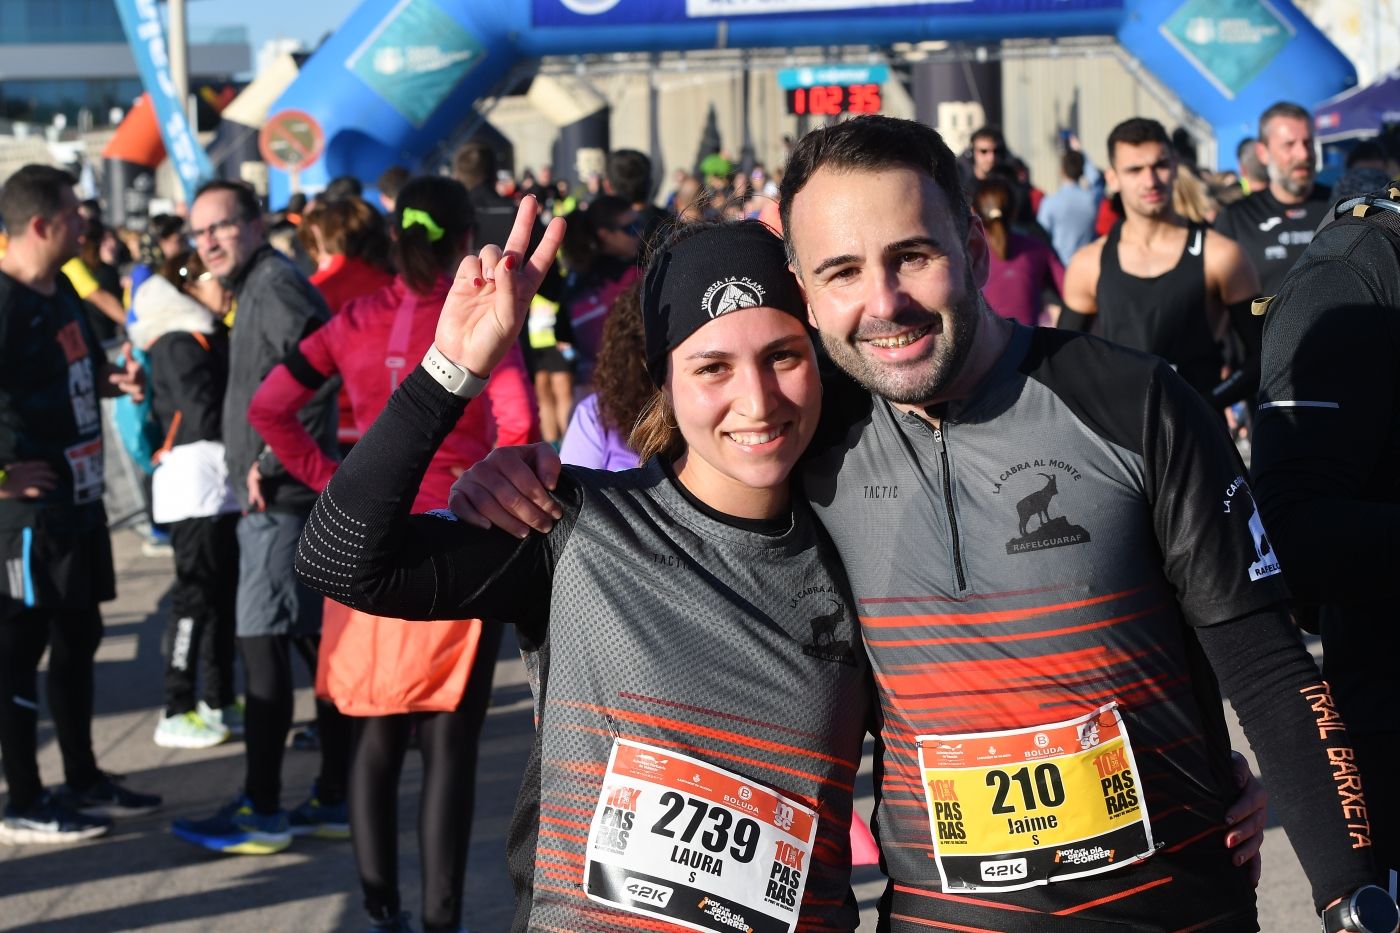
(177, 324)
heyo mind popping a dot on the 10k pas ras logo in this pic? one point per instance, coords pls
(1037, 528)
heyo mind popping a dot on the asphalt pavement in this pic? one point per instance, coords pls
(139, 877)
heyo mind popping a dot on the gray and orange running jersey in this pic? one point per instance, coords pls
(1042, 553)
(651, 631)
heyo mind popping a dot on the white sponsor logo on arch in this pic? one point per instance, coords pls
(589, 7)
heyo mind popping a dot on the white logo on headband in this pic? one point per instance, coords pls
(730, 294)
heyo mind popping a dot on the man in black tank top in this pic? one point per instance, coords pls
(1156, 282)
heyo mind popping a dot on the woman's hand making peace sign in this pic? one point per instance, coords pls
(490, 297)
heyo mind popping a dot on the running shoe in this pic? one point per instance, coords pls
(49, 821)
(307, 740)
(237, 830)
(230, 717)
(157, 544)
(107, 797)
(322, 820)
(401, 922)
(189, 730)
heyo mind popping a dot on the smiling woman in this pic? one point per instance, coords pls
(647, 572)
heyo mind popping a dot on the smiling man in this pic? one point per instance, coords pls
(1054, 555)
(1157, 282)
(1062, 557)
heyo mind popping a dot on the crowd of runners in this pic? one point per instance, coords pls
(887, 442)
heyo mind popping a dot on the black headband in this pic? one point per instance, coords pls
(720, 269)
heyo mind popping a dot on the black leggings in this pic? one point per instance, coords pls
(448, 742)
(72, 636)
(267, 663)
(199, 632)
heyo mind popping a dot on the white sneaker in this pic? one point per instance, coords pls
(189, 730)
(230, 717)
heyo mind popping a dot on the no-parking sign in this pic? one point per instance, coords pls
(291, 140)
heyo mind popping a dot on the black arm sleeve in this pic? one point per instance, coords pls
(1243, 383)
(1073, 320)
(1324, 440)
(1304, 753)
(361, 547)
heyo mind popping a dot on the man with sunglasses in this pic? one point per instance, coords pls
(274, 308)
(987, 151)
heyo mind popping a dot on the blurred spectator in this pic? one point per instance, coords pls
(986, 150)
(177, 316)
(1275, 224)
(440, 673)
(600, 250)
(104, 307)
(348, 241)
(553, 368)
(276, 307)
(1022, 268)
(691, 201)
(598, 432)
(505, 185)
(629, 177)
(1192, 199)
(342, 186)
(164, 237)
(476, 167)
(716, 169)
(388, 184)
(1253, 175)
(52, 522)
(1068, 214)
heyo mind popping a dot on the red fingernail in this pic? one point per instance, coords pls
(478, 282)
(510, 263)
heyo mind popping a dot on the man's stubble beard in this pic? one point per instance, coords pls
(954, 346)
(1284, 179)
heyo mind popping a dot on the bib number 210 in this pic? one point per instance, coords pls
(716, 838)
(1041, 787)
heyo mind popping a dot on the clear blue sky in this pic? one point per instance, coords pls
(307, 20)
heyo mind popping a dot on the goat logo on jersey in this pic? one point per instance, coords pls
(1035, 529)
(825, 643)
(1266, 561)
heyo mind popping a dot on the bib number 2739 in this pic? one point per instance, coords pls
(679, 839)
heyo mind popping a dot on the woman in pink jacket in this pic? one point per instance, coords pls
(435, 676)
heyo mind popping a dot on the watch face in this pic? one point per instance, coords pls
(1375, 910)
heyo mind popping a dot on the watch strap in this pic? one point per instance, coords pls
(1342, 916)
(458, 380)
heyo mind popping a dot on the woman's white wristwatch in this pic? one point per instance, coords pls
(458, 380)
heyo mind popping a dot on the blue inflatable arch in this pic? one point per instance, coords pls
(401, 75)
